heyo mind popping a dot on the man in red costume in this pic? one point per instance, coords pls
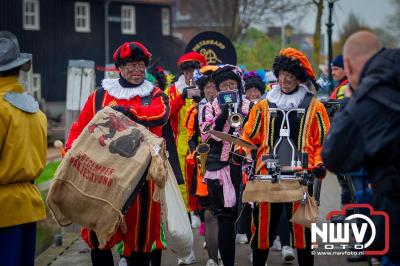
(145, 104)
(178, 95)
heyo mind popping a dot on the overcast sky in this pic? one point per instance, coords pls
(371, 12)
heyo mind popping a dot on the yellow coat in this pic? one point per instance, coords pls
(23, 147)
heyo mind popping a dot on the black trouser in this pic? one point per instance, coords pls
(226, 216)
(283, 228)
(105, 258)
(244, 221)
(345, 193)
(304, 256)
(101, 257)
(226, 239)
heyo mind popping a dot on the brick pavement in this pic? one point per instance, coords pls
(330, 200)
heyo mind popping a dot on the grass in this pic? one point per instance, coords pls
(48, 172)
(47, 228)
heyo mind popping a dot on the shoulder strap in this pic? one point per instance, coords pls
(146, 100)
(251, 105)
(271, 104)
(213, 110)
(98, 101)
(306, 101)
(203, 113)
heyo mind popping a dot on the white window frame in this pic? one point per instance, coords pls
(179, 16)
(31, 15)
(128, 23)
(82, 17)
(165, 21)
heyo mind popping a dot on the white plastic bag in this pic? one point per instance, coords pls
(178, 231)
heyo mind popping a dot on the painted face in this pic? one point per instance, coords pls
(210, 91)
(228, 84)
(253, 94)
(338, 73)
(287, 81)
(134, 72)
(188, 74)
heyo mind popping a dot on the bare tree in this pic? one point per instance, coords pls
(319, 4)
(234, 17)
(393, 21)
(352, 25)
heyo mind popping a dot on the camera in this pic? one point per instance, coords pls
(331, 106)
(193, 92)
(227, 97)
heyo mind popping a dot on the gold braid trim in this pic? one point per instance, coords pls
(322, 128)
(265, 133)
(308, 121)
(272, 128)
(256, 126)
(300, 136)
(266, 126)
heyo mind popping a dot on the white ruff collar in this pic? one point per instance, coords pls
(180, 84)
(113, 88)
(287, 101)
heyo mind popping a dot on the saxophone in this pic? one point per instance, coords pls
(202, 151)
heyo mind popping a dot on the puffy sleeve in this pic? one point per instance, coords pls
(156, 113)
(191, 123)
(319, 131)
(252, 130)
(176, 100)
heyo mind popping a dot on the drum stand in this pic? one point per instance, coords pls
(283, 164)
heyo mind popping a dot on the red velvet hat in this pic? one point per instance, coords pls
(131, 51)
(192, 56)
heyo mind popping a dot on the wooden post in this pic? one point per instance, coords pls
(81, 82)
(110, 74)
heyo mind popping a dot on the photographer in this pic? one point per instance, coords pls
(222, 176)
(367, 132)
(339, 76)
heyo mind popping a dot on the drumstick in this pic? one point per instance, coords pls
(60, 146)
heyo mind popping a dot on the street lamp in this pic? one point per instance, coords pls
(329, 26)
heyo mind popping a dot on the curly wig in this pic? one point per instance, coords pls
(255, 82)
(160, 77)
(292, 66)
(227, 72)
(202, 81)
(189, 65)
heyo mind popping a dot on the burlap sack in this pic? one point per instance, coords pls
(102, 169)
(264, 191)
(306, 213)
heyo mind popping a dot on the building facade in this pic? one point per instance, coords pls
(55, 31)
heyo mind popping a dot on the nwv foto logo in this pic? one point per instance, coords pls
(332, 234)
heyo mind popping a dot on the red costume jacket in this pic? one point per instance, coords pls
(144, 216)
